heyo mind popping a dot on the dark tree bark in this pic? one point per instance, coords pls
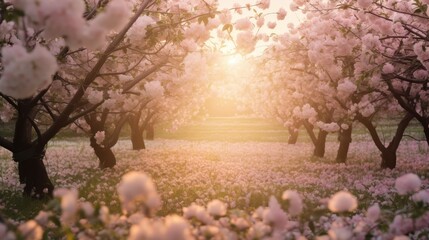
(150, 132)
(319, 147)
(388, 154)
(32, 173)
(388, 158)
(319, 142)
(426, 131)
(345, 138)
(31, 169)
(103, 151)
(137, 139)
(409, 104)
(106, 158)
(105, 155)
(138, 125)
(293, 135)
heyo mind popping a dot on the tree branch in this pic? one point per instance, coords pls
(115, 135)
(400, 131)
(372, 131)
(87, 111)
(310, 132)
(63, 118)
(143, 75)
(6, 144)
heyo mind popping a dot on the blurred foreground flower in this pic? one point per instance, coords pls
(342, 202)
(135, 188)
(408, 183)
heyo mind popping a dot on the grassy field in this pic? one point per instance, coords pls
(244, 129)
(233, 129)
(241, 129)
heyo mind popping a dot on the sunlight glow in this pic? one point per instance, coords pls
(228, 94)
(234, 60)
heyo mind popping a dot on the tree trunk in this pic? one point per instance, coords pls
(293, 135)
(33, 174)
(319, 142)
(388, 158)
(426, 131)
(319, 147)
(136, 134)
(150, 132)
(31, 169)
(345, 138)
(388, 154)
(106, 158)
(137, 140)
(105, 155)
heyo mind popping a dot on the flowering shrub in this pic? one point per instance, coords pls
(66, 215)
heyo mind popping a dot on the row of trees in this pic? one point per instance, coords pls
(347, 62)
(98, 65)
(97, 87)
(95, 66)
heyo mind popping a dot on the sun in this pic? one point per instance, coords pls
(234, 60)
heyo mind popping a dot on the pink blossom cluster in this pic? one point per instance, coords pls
(26, 72)
(66, 19)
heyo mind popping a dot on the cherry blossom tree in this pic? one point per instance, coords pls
(354, 71)
(332, 76)
(292, 95)
(140, 92)
(45, 33)
(402, 43)
(62, 61)
(84, 44)
(172, 96)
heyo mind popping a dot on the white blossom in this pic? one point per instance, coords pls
(295, 202)
(407, 183)
(99, 137)
(154, 89)
(281, 14)
(135, 187)
(342, 202)
(340, 233)
(216, 208)
(30, 230)
(274, 215)
(364, 3)
(373, 213)
(243, 24)
(388, 68)
(25, 73)
(421, 196)
(264, 4)
(177, 228)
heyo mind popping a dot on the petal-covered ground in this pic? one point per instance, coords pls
(244, 175)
